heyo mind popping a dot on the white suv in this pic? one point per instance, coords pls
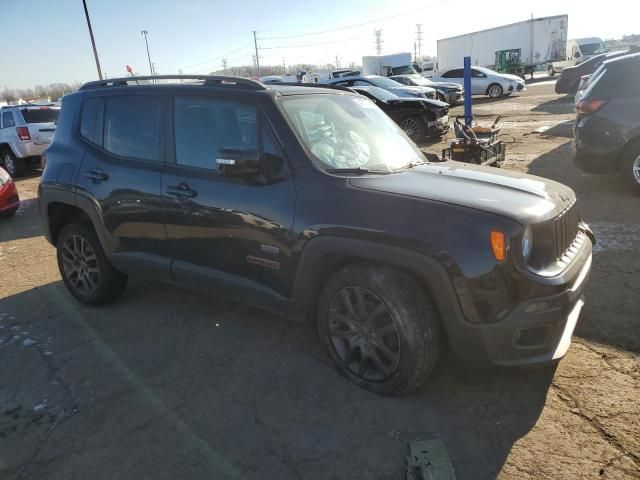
(25, 132)
(484, 81)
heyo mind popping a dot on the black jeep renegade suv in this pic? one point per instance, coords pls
(312, 203)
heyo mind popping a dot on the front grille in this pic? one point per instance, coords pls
(565, 230)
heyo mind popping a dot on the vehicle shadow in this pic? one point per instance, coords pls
(556, 106)
(609, 206)
(230, 390)
(23, 224)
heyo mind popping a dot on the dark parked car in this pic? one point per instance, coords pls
(313, 204)
(418, 118)
(452, 93)
(569, 80)
(607, 127)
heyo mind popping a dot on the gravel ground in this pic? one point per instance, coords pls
(166, 384)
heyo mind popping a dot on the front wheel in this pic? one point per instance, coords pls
(379, 327)
(414, 128)
(495, 90)
(85, 270)
(552, 72)
(16, 167)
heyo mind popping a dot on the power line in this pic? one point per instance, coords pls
(408, 12)
(316, 44)
(378, 34)
(211, 60)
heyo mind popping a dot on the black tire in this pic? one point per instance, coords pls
(407, 329)
(16, 167)
(90, 263)
(630, 166)
(552, 72)
(495, 90)
(414, 127)
(9, 213)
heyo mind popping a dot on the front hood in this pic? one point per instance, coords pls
(524, 198)
(447, 85)
(412, 91)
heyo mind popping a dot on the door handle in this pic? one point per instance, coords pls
(181, 191)
(96, 175)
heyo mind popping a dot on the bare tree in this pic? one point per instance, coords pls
(8, 95)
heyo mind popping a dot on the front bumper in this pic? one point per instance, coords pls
(536, 331)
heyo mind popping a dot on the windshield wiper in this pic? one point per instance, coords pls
(357, 171)
(411, 165)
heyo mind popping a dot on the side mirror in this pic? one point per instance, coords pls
(238, 162)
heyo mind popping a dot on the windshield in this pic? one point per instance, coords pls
(593, 48)
(420, 81)
(345, 131)
(406, 70)
(383, 82)
(40, 115)
(379, 93)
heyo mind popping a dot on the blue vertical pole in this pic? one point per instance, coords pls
(467, 91)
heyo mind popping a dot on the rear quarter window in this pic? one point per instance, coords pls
(91, 120)
(617, 80)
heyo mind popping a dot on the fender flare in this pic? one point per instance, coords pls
(317, 250)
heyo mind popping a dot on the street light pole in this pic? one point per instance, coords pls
(146, 41)
(93, 42)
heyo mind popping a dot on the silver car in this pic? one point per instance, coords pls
(449, 92)
(386, 84)
(25, 132)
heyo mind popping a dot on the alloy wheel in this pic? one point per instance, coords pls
(411, 127)
(9, 164)
(495, 91)
(363, 334)
(635, 168)
(80, 264)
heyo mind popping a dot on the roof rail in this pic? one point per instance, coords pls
(313, 85)
(207, 80)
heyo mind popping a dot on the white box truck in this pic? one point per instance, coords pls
(515, 48)
(387, 65)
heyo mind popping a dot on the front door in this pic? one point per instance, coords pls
(479, 82)
(119, 179)
(227, 235)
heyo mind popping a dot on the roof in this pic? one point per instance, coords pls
(633, 57)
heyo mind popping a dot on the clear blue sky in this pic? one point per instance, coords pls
(49, 41)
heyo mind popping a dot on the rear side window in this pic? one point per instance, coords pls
(132, 127)
(40, 115)
(7, 120)
(204, 126)
(617, 80)
(91, 120)
(456, 73)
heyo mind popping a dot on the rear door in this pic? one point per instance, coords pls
(120, 175)
(227, 235)
(41, 122)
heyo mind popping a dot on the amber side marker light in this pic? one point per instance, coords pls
(498, 245)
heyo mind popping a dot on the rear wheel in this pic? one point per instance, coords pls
(495, 90)
(16, 167)
(85, 270)
(380, 328)
(414, 127)
(552, 72)
(630, 166)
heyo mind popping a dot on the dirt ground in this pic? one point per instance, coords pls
(166, 384)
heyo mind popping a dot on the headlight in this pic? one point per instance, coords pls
(527, 242)
(4, 177)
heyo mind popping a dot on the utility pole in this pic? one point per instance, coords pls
(284, 67)
(415, 52)
(255, 43)
(224, 65)
(378, 34)
(93, 42)
(146, 41)
(337, 62)
(419, 40)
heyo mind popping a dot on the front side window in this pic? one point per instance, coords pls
(7, 120)
(132, 127)
(204, 126)
(346, 131)
(456, 73)
(477, 73)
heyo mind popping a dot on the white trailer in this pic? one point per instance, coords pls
(387, 65)
(540, 41)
